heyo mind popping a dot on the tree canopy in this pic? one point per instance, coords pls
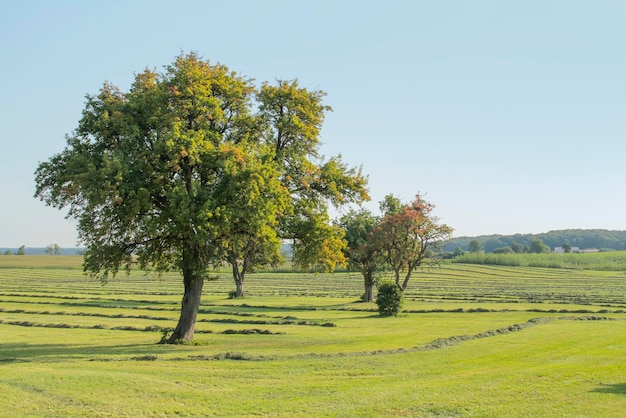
(195, 166)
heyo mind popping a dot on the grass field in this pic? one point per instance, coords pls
(473, 340)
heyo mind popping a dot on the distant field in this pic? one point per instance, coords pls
(609, 261)
(65, 262)
(473, 340)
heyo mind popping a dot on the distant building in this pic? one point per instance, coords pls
(561, 250)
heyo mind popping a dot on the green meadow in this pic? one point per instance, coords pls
(609, 261)
(472, 341)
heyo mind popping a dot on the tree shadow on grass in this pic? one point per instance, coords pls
(359, 317)
(18, 352)
(617, 388)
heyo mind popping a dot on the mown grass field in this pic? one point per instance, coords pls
(473, 340)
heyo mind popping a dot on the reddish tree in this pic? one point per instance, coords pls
(410, 237)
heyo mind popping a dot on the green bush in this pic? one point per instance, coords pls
(389, 298)
(233, 295)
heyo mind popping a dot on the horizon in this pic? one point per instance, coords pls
(455, 237)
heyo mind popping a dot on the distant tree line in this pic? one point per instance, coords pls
(601, 239)
(19, 251)
(52, 249)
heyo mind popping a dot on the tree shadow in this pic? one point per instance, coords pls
(617, 388)
(356, 317)
(14, 352)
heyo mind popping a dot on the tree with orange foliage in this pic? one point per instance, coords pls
(410, 237)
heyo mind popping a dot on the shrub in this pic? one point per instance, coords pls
(389, 299)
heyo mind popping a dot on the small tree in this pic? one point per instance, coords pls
(389, 299)
(49, 250)
(538, 247)
(250, 199)
(567, 248)
(21, 250)
(362, 254)
(57, 249)
(409, 238)
(458, 251)
(517, 248)
(474, 246)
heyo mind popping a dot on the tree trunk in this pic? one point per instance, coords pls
(397, 274)
(239, 288)
(238, 277)
(189, 308)
(369, 284)
(405, 284)
(369, 293)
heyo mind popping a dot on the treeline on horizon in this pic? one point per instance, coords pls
(601, 239)
(24, 250)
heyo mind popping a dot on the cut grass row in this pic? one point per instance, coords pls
(450, 281)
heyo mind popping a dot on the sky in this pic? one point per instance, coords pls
(508, 116)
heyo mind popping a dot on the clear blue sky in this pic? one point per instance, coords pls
(509, 115)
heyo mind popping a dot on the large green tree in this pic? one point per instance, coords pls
(194, 166)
